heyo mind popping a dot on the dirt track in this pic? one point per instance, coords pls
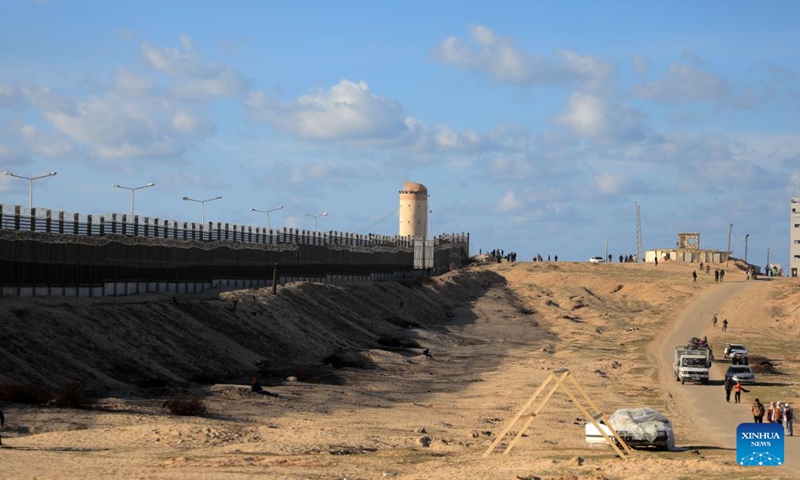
(495, 333)
(704, 405)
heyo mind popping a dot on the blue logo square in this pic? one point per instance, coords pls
(759, 444)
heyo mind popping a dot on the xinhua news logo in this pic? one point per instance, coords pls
(759, 444)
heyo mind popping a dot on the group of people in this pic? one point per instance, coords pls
(750, 273)
(627, 258)
(539, 258)
(736, 387)
(777, 412)
(498, 255)
(724, 323)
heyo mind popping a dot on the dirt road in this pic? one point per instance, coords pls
(704, 406)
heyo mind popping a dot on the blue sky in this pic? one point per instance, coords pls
(534, 125)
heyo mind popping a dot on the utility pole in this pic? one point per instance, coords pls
(745, 247)
(638, 234)
(728, 258)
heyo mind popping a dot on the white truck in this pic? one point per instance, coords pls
(737, 353)
(691, 364)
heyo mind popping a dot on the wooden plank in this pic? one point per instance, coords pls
(519, 414)
(589, 415)
(602, 416)
(533, 415)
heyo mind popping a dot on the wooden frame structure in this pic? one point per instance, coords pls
(558, 378)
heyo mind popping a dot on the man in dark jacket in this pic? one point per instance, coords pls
(728, 388)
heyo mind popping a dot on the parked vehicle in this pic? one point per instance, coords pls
(742, 374)
(639, 427)
(596, 260)
(737, 353)
(692, 364)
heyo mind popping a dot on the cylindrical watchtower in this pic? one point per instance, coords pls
(413, 210)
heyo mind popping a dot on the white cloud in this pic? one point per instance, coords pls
(10, 96)
(508, 203)
(193, 77)
(351, 113)
(130, 83)
(45, 143)
(684, 83)
(591, 117)
(309, 173)
(501, 59)
(116, 126)
(348, 111)
(718, 163)
(612, 183)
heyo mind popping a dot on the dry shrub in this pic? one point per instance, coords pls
(72, 394)
(759, 364)
(31, 394)
(185, 406)
(397, 342)
(312, 374)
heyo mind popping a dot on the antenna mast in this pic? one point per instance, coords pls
(638, 234)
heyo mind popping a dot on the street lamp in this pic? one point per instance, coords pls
(133, 192)
(30, 179)
(323, 214)
(202, 206)
(745, 247)
(269, 226)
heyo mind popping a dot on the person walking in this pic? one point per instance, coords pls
(725, 325)
(716, 276)
(737, 392)
(770, 409)
(728, 387)
(758, 411)
(777, 413)
(694, 276)
(790, 418)
(721, 275)
(714, 321)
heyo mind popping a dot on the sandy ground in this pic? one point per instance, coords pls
(416, 416)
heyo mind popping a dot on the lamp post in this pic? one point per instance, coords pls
(202, 206)
(133, 192)
(745, 247)
(269, 226)
(323, 214)
(30, 179)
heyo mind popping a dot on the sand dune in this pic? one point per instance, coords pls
(493, 332)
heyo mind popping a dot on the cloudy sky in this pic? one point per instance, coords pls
(537, 128)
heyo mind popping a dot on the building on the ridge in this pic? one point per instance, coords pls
(687, 250)
(413, 210)
(794, 237)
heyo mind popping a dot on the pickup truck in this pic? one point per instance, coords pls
(691, 364)
(737, 353)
